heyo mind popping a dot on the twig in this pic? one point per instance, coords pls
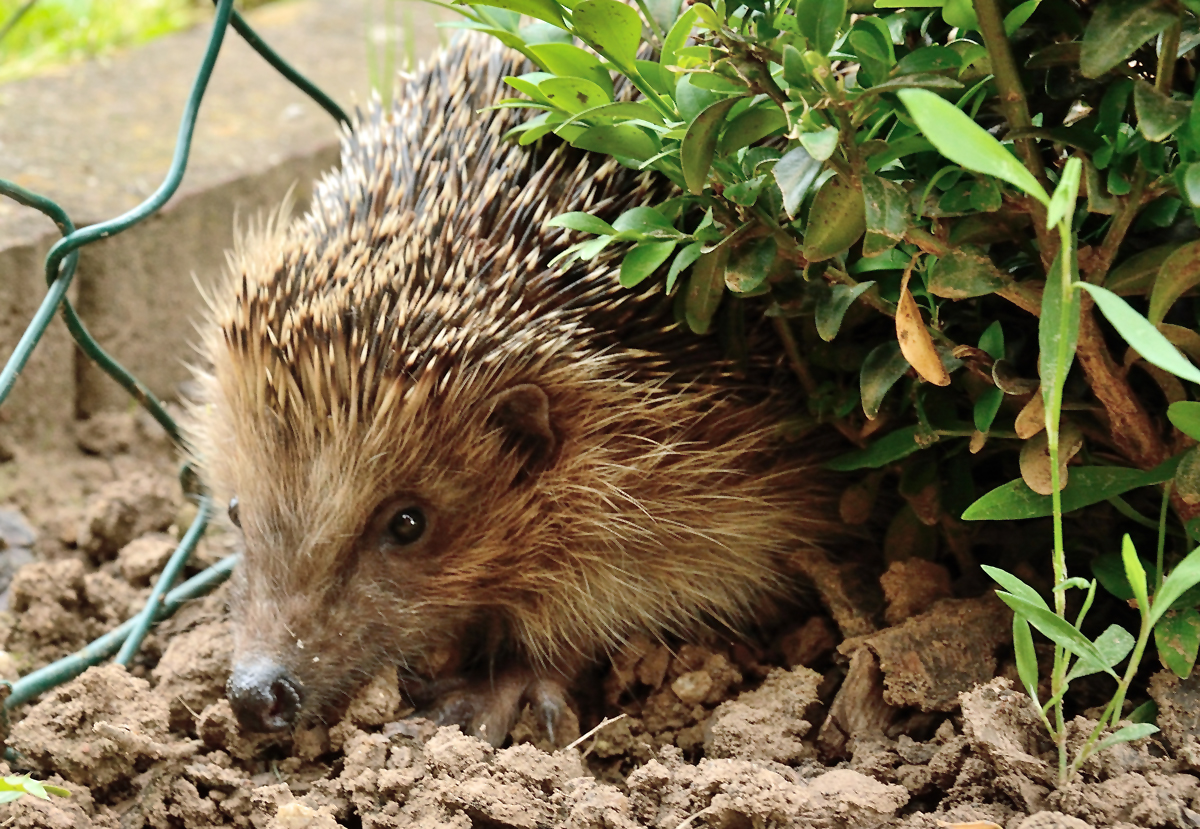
(604, 722)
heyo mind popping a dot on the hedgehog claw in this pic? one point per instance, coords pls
(489, 709)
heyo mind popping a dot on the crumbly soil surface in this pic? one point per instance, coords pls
(888, 702)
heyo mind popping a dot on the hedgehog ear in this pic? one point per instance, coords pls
(522, 414)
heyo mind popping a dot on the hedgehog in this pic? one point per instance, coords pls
(449, 454)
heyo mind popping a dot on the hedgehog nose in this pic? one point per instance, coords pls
(264, 697)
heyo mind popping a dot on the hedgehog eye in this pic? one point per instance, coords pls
(407, 526)
(233, 512)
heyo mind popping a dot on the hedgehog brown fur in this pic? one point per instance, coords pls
(405, 357)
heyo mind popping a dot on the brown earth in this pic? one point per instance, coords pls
(888, 704)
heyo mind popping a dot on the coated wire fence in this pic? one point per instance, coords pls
(60, 265)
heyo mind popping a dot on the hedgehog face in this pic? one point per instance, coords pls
(357, 555)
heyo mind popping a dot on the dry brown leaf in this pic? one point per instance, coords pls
(1032, 418)
(1035, 458)
(915, 343)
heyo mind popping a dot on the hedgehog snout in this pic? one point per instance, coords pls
(263, 695)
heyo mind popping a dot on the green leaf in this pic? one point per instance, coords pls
(1147, 340)
(1050, 330)
(683, 260)
(832, 307)
(820, 144)
(1177, 637)
(992, 341)
(886, 213)
(547, 10)
(1027, 667)
(964, 273)
(568, 60)
(1114, 644)
(583, 222)
(746, 192)
(928, 59)
(1062, 203)
(573, 94)
(691, 99)
(880, 371)
(1184, 577)
(1055, 629)
(1158, 114)
(705, 289)
(1136, 275)
(964, 142)
(1016, 18)
(750, 265)
(611, 28)
(986, 408)
(820, 21)
(1135, 573)
(644, 260)
(836, 221)
(590, 249)
(1014, 585)
(1185, 416)
(1179, 273)
(1189, 182)
(888, 449)
(1124, 735)
(621, 140)
(700, 144)
(677, 37)
(1117, 28)
(640, 222)
(795, 174)
(528, 84)
(628, 110)
(1088, 485)
(918, 81)
(960, 13)
(752, 125)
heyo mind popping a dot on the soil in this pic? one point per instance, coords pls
(889, 702)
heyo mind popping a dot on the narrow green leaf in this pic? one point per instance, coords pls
(888, 449)
(1179, 273)
(1114, 644)
(795, 174)
(610, 27)
(1088, 485)
(1185, 416)
(964, 142)
(583, 222)
(1014, 585)
(1117, 28)
(34, 788)
(1177, 638)
(1147, 340)
(643, 260)
(832, 307)
(1127, 734)
(57, 791)
(682, 261)
(1055, 629)
(10, 796)
(705, 289)
(1062, 203)
(820, 21)
(1185, 576)
(992, 340)
(1050, 330)
(700, 144)
(1016, 18)
(916, 81)
(1137, 274)
(1026, 654)
(880, 371)
(1134, 573)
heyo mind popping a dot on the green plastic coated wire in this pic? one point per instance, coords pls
(41, 680)
(60, 267)
(152, 610)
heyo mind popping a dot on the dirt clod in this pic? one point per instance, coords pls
(126, 509)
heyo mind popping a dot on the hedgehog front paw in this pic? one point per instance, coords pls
(489, 708)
